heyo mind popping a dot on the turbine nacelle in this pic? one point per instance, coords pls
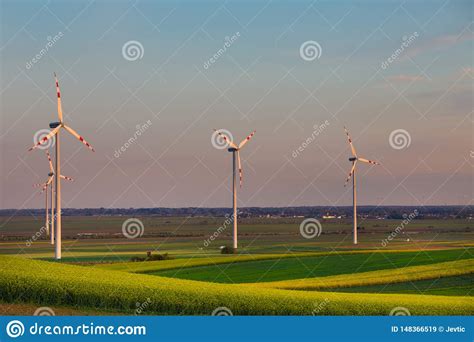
(54, 124)
(232, 149)
(352, 159)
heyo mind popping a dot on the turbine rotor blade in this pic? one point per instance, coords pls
(81, 139)
(246, 140)
(350, 143)
(226, 139)
(240, 168)
(66, 178)
(58, 92)
(368, 161)
(45, 185)
(45, 138)
(351, 173)
(51, 168)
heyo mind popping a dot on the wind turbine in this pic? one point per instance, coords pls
(48, 186)
(55, 130)
(235, 156)
(354, 159)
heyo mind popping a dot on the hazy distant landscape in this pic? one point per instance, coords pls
(427, 267)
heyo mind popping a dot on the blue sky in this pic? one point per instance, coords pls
(260, 82)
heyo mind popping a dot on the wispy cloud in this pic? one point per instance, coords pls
(441, 42)
(406, 78)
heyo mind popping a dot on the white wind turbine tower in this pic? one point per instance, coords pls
(47, 187)
(235, 155)
(55, 130)
(354, 159)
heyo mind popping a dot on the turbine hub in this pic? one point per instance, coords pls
(54, 124)
(352, 159)
(50, 174)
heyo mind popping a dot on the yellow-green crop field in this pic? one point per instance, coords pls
(43, 282)
(428, 271)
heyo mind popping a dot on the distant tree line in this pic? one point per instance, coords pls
(381, 212)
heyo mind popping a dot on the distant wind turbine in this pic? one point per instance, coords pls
(55, 129)
(235, 156)
(48, 186)
(354, 159)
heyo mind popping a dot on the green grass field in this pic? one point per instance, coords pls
(428, 269)
(307, 267)
(461, 285)
(380, 277)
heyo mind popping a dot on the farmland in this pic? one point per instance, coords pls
(306, 267)
(427, 269)
(41, 282)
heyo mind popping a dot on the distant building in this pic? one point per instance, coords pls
(327, 216)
